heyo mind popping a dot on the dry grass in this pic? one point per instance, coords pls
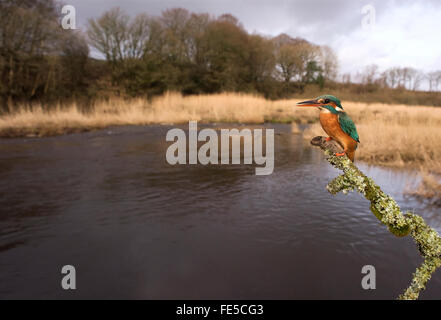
(170, 108)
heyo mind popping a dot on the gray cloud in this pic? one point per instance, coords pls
(254, 14)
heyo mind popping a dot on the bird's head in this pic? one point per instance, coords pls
(324, 103)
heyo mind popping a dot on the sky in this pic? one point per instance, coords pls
(388, 33)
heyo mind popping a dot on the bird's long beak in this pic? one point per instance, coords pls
(309, 103)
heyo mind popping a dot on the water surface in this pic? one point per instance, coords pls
(136, 227)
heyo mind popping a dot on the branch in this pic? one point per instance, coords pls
(388, 212)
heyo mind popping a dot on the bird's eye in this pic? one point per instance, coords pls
(327, 100)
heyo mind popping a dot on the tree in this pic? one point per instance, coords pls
(391, 77)
(261, 60)
(415, 79)
(73, 59)
(139, 34)
(314, 73)
(196, 26)
(109, 35)
(175, 31)
(225, 55)
(328, 62)
(434, 79)
(296, 59)
(34, 51)
(369, 74)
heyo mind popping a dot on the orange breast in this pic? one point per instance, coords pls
(330, 124)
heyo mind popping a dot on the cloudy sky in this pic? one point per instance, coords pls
(405, 33)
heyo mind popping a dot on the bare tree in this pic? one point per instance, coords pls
(369, 74)
(346, 78)
(415, 79)
(109, 35)
(138, 36)
(329, 62)
(402, 77)
(390, 77)
(434, 79)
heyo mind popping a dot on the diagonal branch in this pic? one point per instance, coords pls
(388, 212)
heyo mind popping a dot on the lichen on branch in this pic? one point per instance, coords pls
(386, 209)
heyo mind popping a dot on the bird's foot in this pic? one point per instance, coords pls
(328, 139)
(341, 154)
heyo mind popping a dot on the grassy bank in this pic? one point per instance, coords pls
(170, 108)
(373, 94)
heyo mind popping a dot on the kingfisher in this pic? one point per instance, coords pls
(336, 123)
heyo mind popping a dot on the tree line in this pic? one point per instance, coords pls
(398, 78)
(199, 53)
(146, 55)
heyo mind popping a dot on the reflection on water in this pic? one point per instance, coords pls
(108, 203)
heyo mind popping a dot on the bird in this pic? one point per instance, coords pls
(336, 123)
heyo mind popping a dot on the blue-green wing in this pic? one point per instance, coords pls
(348, 126)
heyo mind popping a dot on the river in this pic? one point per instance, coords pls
(135, 227)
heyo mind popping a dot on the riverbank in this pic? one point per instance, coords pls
(170, 108)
